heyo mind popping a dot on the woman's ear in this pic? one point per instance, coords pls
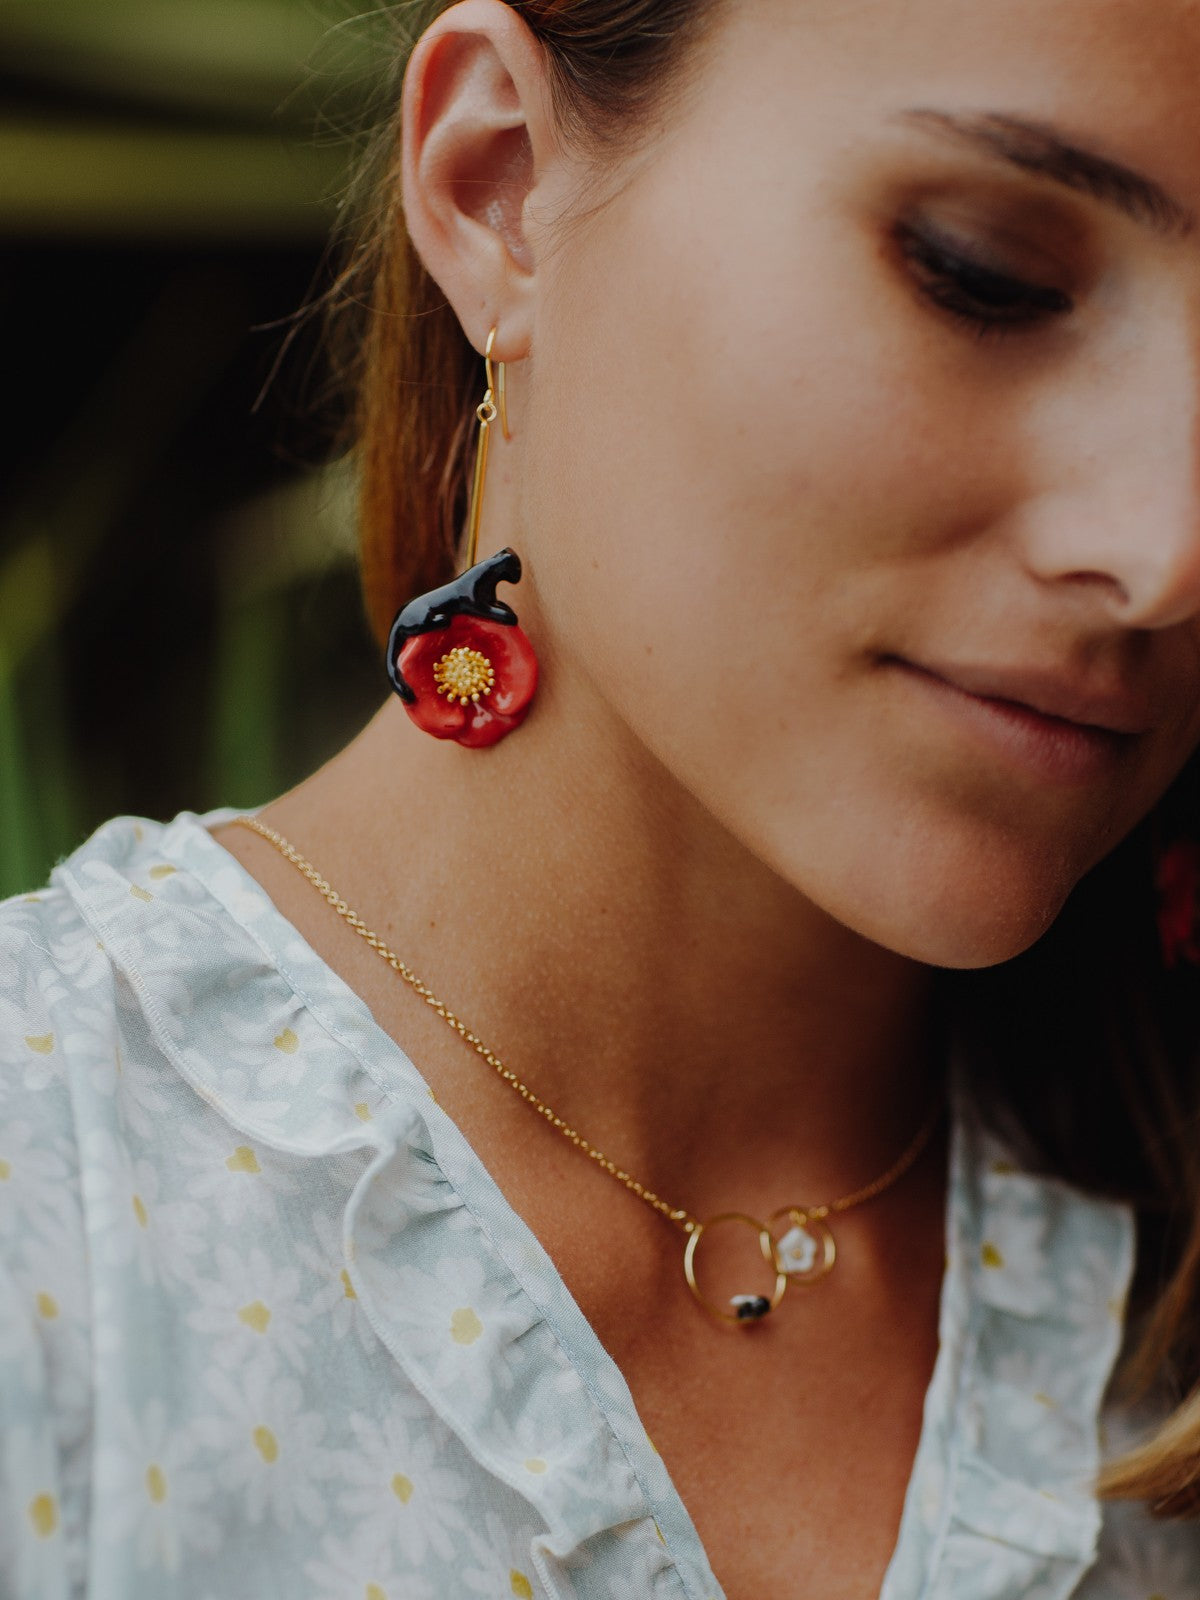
(477, 134)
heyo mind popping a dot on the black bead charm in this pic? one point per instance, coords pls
(750, 1307)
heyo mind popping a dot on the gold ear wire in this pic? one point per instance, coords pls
(486, 412)
(498, 383)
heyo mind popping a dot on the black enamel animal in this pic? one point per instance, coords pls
(473, 594)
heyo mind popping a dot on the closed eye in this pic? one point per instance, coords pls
(984, 298)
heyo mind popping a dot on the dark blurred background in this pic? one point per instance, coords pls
(180, 624)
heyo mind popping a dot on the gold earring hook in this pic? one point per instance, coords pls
(486, 412)
(496, 385)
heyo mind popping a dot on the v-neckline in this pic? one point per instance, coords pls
(958, 1491)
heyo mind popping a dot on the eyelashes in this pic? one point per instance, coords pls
(986, 301)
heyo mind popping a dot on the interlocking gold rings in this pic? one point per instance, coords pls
(804, 1253)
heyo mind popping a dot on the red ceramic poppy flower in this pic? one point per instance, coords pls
(473, 680)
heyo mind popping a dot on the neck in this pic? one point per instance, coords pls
(627, 957)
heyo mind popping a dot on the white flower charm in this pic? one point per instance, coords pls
(806, 1252)
(797, 1251)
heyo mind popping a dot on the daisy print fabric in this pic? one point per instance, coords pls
(267, 1326)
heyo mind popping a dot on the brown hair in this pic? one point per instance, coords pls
(1087, 1048)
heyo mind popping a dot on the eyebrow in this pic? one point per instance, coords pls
(1036, 147)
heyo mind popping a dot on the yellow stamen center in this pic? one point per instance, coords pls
(464, 674)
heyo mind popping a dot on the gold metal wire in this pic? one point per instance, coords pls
(486, 412)
(770, 1253)
(497, 383)
(682, 1219)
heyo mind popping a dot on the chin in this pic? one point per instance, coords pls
(975, 944)
(966, 911)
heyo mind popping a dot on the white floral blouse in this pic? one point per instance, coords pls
(268, 1328)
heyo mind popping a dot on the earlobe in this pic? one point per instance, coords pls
(475, 128)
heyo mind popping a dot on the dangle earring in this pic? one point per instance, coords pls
(456, 656)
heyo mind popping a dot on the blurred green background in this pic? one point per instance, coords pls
(180, 624)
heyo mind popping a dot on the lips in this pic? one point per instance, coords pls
(1049, 727)
(1058, 696)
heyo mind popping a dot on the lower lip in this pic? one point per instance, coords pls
(1049, 748)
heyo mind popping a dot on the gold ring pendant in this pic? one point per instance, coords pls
(744, 1308)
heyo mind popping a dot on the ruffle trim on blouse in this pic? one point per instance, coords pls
(1000, 1501)
(1031, 1309)
(492, 1351)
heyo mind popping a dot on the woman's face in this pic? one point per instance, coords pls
(861, 448)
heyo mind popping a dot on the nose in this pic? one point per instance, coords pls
(1119, 519)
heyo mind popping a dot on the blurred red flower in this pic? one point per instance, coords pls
(1177, 877)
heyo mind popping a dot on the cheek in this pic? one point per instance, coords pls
(751, 466)
(738, 453)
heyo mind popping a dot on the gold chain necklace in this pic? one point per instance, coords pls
(806, 1251)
